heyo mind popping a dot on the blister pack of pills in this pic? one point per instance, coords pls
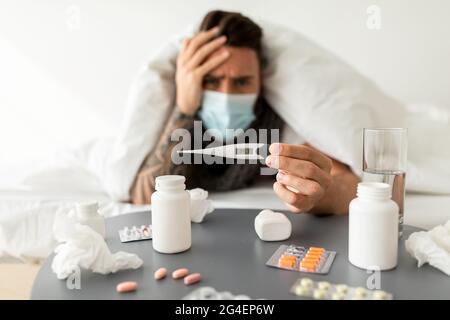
(323, 290)
(134, 233)
(209, 293)
(303, 259)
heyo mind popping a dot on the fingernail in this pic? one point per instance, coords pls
(269, 161)
(223, 38)
(280, 175)
(226, 53)
(274, 148)
(216, 29)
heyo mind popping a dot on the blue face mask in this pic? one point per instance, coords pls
(223, 111)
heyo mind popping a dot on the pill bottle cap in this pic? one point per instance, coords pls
(374, 190)
(170, 182)
(87, 209)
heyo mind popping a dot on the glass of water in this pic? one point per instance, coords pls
(384, 160)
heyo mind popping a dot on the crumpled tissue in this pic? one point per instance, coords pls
(200, 205)
(82, 247)
(432, 247)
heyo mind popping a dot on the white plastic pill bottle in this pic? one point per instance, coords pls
(171, 220)
(87, 214)
(373, 228)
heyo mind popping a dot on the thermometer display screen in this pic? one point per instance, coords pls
(244, 151)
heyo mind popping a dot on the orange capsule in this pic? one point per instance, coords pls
(286, 263)
(127, 286)
(160, 273)
(308, 265)
(312, 256)
(316, 250)
(315, 261)
(192, 278)
(180, 273)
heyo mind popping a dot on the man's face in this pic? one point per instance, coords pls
(240, 73)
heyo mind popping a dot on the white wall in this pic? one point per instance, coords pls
(61, 81)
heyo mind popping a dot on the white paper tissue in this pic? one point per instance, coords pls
(200, 205)
(82, 247)
(432, 247)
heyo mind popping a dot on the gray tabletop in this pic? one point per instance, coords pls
(231, 257)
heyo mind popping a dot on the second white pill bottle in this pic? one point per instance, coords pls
(373, 228)
(171, 220)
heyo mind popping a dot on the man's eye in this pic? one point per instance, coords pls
(210, 82)
(241, 82)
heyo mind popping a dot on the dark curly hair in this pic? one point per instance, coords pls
(239, 30)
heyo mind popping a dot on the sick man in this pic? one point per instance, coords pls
(219, 82)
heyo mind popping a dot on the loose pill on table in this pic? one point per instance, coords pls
(160, 273)
(192, 278)
(127, 286)
(180, 273)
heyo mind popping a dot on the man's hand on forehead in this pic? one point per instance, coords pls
(193, 64)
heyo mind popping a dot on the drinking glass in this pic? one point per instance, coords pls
(384, 160)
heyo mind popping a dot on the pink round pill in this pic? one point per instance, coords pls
(127, 286)
(160, 273)
(180, 273)
(192, 278)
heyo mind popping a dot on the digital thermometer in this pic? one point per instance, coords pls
(235, 151)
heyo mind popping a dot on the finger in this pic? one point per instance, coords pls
(293, 209)
(199, 40)
(299, 168)
(135, 196)
(212, 63)
(298, 202)
(205, 51)
(147, 190)
(139, 197)
(181, 54)
(185, 44)
(304, 186)
(301, 152)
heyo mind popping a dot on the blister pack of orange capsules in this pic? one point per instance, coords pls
(302, 259)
